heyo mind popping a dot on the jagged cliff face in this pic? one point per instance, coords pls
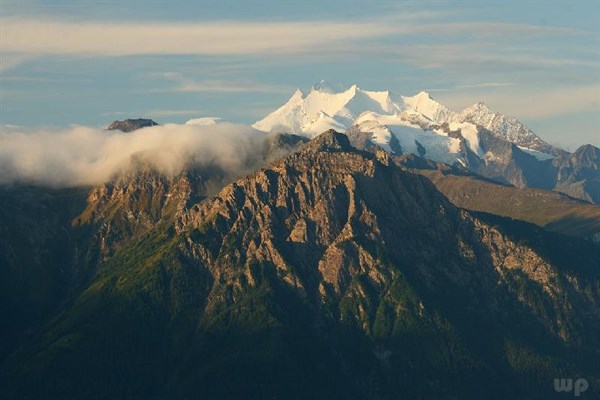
(578, 174)
(330, 273)
(505, 162)
(507, 127)
(135, 202)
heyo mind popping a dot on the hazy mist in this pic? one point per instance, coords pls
(82, 156)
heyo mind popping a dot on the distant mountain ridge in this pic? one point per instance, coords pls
(326, 106)
(508, 127)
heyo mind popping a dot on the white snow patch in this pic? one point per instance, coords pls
(537, 154)
(384, 119)
(437, 147)
(471, 134)
(381, 135)
(322, 123)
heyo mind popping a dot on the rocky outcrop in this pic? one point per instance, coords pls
(506, 127)
(578, 174)
(136, 201)
(130, 125)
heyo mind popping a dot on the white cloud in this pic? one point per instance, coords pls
(86, 156)
(188, 85)
(225, 86)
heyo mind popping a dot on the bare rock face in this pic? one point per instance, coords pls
(578, 174)
(507, 127)
(135, 202)
(328, 215)
(130, 125)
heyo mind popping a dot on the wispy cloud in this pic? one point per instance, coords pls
(189, 85)
(18, 78)
(474, 55)
(224, 86)
(23, 38)
(9, 60)
(482, 85)
(33, 36)
(485, 85)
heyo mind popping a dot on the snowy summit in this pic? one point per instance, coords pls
(384, 113)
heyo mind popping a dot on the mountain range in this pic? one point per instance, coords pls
(419, 253)
(485, 142)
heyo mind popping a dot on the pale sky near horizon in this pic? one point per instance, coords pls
(90, 62)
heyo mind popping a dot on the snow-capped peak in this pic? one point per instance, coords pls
(298, 94)
(422, 96)
(424, 104)
(505, 126)
(479, 107)
(333, 106)
(341, 107)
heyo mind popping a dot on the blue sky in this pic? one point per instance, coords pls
(90, 62)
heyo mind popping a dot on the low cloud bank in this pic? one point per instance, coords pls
(82, 156)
